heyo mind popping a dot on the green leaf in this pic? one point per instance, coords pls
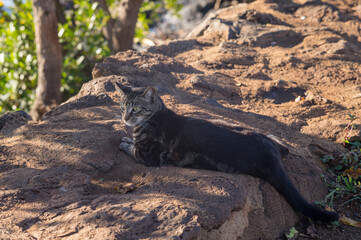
(338, 167)
(94, 6)
(80, 60)
(292, 234)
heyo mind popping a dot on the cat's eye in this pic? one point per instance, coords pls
(122, 108)
(136, 109)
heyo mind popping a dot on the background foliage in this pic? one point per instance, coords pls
(80, 36)
(346, 183)
(83, 44)
(81, 39)
(150, 12)
(18, 65)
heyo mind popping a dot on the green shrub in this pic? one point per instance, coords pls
(83, 44)
(82, 41)
(346, 184)
(18, 64)
(80, 36)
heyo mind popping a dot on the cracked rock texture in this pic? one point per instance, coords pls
(64, 177)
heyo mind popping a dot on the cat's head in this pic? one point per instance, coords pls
(138, 106)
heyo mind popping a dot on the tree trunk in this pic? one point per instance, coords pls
(49, 56)
(120, 30)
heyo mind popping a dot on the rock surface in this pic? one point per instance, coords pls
(64, 177)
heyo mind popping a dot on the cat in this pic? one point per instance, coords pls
(162, 137)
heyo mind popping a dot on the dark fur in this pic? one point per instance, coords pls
(163, 137)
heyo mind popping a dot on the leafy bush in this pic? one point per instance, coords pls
(18, 64)
(81, 38)
(83, 44)
(82, 41)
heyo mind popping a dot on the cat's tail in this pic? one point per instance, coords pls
(280, 145)
(285, 187)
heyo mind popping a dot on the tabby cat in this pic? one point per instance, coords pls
(160, 137)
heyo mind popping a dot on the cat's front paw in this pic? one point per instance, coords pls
(126, 147)
(127, 140)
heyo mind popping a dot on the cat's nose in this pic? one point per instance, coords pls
(126, 116)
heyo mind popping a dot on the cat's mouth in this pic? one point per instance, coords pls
(129, 123)
(132, 123)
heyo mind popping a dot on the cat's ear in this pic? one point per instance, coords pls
(120, 91)
(150, 94)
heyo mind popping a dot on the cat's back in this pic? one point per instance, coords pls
(223, 142)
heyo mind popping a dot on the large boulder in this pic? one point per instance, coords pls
(268, 70)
